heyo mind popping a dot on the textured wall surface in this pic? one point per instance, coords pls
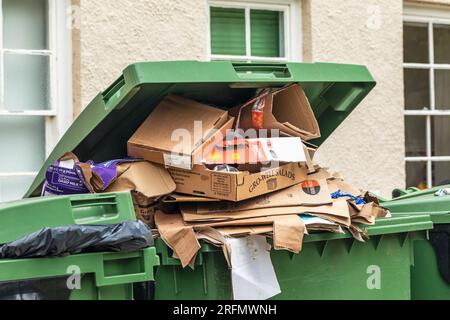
(368, 147)
(116, 33)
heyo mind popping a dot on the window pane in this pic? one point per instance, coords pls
(441, 43)
(25, 24)
(441, 173)
(267, 33)
(14, 188)
(27, 82)
(415, 42)
(417, 88)
(22, 144)
(415, 136)
(441, 135)
(416, 175)
(228, 31)
(442, 89)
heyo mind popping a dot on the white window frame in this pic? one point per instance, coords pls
(292, 28)
(60, 114)
(417, 13)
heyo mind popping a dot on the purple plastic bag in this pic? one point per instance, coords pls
(65, 176)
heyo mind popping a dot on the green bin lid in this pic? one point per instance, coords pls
(422, 202)
(101, 131)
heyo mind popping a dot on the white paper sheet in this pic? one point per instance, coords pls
(253, 276)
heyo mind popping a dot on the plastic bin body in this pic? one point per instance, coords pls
(330, 266)
(103, 275)
(430, 274)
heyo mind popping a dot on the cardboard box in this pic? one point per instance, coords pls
(231, 186)
(307, 193)
(253, 151)
(177, 131)
(287, 110)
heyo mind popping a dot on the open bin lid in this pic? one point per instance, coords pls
(102, 130)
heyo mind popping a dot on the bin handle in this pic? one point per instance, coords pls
(84, 210)
(112, 95)
(262, 71)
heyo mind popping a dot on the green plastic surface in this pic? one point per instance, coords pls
(422, 202)
(426, 280)
(101, 131)
(330, 266)
(20, 218)
(105, 275)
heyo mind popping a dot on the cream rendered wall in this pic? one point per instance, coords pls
(368, 147)
(116, 33)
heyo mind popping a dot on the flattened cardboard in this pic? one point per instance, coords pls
(337, 211)
(288, 232)
(150, 179)
(367, 213)
(180, 198)
(144, 208)
(242, 231)
(179, 237)
(201, 181)
(338, 184)
(307, 193)
(287, 110)
(162, 136)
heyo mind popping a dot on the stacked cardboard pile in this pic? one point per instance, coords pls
(200, 172)
(246, 172)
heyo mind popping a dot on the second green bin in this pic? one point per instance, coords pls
(430, 274)
(330, 266)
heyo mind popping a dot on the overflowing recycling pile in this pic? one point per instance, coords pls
(198, 172)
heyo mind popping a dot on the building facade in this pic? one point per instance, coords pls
(395, 138)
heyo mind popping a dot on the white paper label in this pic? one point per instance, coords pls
(177, 161)
(253, 276)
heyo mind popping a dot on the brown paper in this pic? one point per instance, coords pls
(200, 181)
(150, 179)
(179, 237)
(154, 139)
(288, 232)
(180, 198)
(307, 193)
(287, 110)
(337, 211)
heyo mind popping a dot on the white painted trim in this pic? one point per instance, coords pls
(425, 13)
(2, 82)
(293, 50)
(246, 58)
(435, 112)
(18, 174)
(424, 159)
(409, 65)
(60, 116)
(43, 113)
(429, 16)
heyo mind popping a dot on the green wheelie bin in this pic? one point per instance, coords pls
(330, 266)
(102, 275)
(430, 273)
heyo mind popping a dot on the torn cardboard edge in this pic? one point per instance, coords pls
(307, 193)
(337, 211)
(285, 109)
(189, 128)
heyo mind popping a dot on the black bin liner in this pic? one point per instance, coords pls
(36, 289)
(73, 239)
